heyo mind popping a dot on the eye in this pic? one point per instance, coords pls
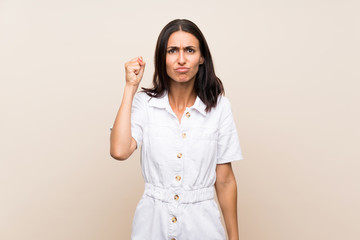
(171, 51)
(190, 50)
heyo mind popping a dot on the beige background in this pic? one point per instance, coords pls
(290, 70)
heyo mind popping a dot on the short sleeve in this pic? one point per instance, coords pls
(138, 117)
(228, 146)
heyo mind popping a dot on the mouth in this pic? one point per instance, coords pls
(182, 69)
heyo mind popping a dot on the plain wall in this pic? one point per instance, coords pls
(290, 70)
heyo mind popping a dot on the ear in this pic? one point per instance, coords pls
(202, 60)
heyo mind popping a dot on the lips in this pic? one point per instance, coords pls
(182, 69)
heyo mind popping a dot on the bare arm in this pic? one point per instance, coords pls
(226, 190)
(122, 144)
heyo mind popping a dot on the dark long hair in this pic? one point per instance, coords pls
(207, 85)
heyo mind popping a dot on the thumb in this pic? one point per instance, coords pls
(142, 67)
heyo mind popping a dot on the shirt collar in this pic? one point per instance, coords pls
(163, 102)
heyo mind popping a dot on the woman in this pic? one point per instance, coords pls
(188, 137)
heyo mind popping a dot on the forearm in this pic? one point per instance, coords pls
(120, 138)
(227, 197)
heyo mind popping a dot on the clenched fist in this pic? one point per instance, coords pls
(134, 70)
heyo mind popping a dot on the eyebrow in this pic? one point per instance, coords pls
(175, 47)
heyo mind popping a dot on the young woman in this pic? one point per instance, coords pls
(188, 140)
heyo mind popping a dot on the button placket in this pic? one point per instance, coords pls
(180, 156)
(180, 142)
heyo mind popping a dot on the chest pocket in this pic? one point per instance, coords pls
(205, 134)
(202, 150)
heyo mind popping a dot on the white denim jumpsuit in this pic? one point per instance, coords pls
(178, 162)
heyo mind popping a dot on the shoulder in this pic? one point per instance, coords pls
(222, 100)
(141, 97)
(140, 100)
(223, 103)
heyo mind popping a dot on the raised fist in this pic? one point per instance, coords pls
(134, 71)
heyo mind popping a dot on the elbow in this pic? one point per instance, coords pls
(225, 181)
(121, 151)
(119, 155)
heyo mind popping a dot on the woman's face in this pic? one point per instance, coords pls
(183, 57)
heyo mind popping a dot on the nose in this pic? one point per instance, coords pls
(181, 59)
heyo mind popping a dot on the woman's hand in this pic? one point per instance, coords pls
(134, 71)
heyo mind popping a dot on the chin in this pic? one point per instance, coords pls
(183, 79)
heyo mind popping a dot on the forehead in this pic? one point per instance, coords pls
(181, 38)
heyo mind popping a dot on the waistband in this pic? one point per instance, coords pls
(179, 195)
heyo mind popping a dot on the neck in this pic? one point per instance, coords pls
(182, 95)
